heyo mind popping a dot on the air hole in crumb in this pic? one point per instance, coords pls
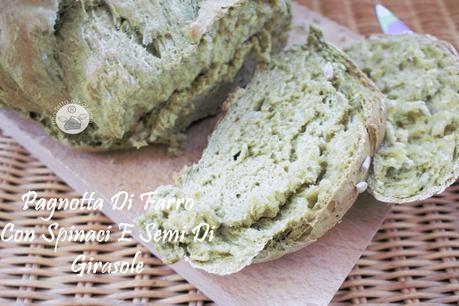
(391, 173)
(34, 115)
(235, 156)
(449, 129)
(312, 199)
(153, 49)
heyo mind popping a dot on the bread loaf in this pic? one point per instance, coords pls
(282, 166)
(420, 153)
(143, 69)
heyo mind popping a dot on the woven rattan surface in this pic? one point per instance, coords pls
(414, 257)
(36, 273)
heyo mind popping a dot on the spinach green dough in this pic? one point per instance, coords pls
(143, 69)
(282, 166)
(420, 153)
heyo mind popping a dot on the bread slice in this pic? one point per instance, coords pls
(420, 154)
(143, 69)
(282, 166)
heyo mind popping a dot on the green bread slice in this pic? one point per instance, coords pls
(282, 166)
(144, 70)
(420, 76)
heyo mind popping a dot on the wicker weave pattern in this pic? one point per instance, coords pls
(436, 17)
(414, 257)
(33, 272)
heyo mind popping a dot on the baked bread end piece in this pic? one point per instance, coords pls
(420, 153)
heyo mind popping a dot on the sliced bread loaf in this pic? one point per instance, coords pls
(420, 153)
(143, 69)
(282, 166)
